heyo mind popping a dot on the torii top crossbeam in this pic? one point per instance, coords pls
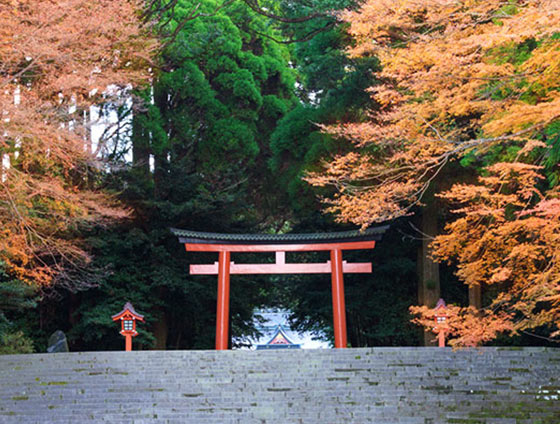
(225, 244)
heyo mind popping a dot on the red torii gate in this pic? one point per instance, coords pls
(225, 244)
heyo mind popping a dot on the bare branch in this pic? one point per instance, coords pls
(254, 5)
(306, 37)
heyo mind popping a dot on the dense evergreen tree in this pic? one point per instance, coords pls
(200, 145)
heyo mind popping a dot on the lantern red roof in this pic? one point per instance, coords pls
(128, 308)
(441, 304)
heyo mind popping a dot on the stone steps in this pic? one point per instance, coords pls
(380, 385)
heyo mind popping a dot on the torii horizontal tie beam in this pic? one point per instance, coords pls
(314, 268)
(307, 247)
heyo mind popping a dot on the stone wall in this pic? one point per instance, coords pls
(378, 385)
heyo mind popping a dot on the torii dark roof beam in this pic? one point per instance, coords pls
(259, 241)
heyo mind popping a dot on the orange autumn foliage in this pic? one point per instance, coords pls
(56, 60)
(466, 327)
(507, 237)
(460, 78)
(454, 80)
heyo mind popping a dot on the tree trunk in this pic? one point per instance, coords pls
(140, 140)
(428, 270)
(353, 330)
(87, 135)
(160, 149)
(161, 330)
(160, 167)
(475, 296)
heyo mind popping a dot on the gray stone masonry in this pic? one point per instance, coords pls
(369, 385)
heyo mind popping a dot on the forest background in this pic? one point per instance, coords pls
(440, 117)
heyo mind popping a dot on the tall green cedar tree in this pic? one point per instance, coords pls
(200, 149)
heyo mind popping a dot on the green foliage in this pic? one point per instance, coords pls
(14, 343)
(552, 154)
(15, 296)
(227, 88)
(500, 90)
(509, 9)
(548, 157)
(515, 54)
(230, 141)
(333, 88)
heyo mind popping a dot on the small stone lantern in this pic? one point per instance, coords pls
(128, 317)
(441, 321)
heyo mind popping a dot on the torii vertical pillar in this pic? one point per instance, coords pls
(222, 313)
(339, 309)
